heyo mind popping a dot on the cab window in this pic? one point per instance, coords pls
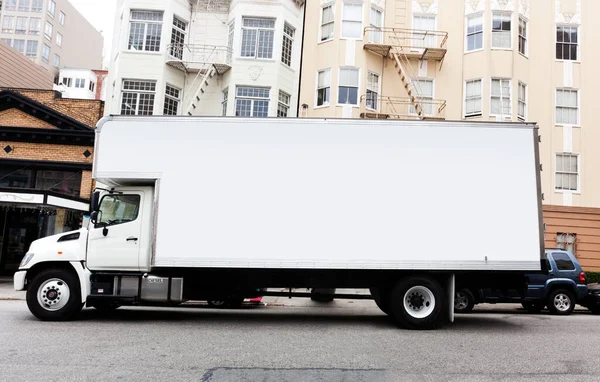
(118, 209)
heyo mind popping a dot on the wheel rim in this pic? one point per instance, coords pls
(562, 302)
(53, 294)
(419, 301)
(460, 301)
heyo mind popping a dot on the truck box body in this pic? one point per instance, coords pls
(331, 194)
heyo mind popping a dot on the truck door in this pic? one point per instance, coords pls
(114, 240)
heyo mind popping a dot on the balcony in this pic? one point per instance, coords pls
(191, 58)
(387, 107)
(413, 43)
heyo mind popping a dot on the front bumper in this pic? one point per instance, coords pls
(19, 280)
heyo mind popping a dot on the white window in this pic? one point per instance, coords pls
(51, 8)
(501, 30)
(323, 87)
(19, 45)
(225, 96)
(45, 53)
(145, 28)
(327, 23)
(24, 5)
(67, 81)
(230, 41)
(37, 5)
(425, 95)
(567, 43)
(32, 48)
(10, 5)
(422, 25)
(8, 24)
(288, 44)
(56, 62)
(500, 99)
(80, 83)
(35, 25)
(251, 102)
(257, 37)
(172, 98)
(376, 34)
(567, 172)
(283, 106)
(178, 37)
(567, 106)
(48, 31)
(372, 100)
(522, 36)
(59, 39)
(474, 32)
(352, 21)
(348, 86)
(566, 241)
(92, 86)
(522, 112)
(61, 18)
(138, 97)
(21, 27)
(473, 98)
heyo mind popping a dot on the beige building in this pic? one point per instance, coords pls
(480, 60)
(51, 33)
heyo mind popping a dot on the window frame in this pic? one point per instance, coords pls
(59, 39)
(252, 100)
(352, 3)
(424, 43)
(480, 113)
(39, 6)
(22, 42)
(492, 30)
(224, 101)
(504, 116)
(22, 8)
(172, 98)
(138, 92)
(145, 35)
(21, 31)
(10, 7)
(61, 18)
(523, 101)
(411, 110)
(289, 39)
(328, 103)
(257, 39)
(483, 34)
(46, 59)
(281, 104)
(380, 35)
(46, 35)
(53, 7)
(321, 24)
(556, 106)
(99, 224)
(524, 37)
(377, 93)
(177, 32)
(54, 61)
(356, 69)
(578, 28)
(11, 27)
(33, 32)
(30, 42)
(577, 174)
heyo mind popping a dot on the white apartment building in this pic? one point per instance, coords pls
(206, 57)
(52, 33)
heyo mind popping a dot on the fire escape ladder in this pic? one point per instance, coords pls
(199, 85)
(402, 64)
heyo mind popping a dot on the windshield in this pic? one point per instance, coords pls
(118, 209)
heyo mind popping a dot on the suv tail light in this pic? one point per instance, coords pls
(582, 278)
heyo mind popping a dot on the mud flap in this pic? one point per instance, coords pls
(450, 290)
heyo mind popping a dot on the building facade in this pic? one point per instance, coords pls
(46, 153)
(52, 33)
(82, 83)
(206, 57)
(477, 60)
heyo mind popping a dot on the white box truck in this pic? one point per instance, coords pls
(218, 208)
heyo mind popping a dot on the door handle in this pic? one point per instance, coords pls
(131, 238)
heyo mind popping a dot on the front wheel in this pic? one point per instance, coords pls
(561, 302)
(418, 303)
(54, 295)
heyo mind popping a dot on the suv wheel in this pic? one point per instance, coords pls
(561, 302)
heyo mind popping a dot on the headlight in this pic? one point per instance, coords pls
(26, 259)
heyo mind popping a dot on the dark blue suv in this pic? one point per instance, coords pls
(560, 288)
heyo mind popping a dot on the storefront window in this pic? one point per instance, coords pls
(15, 177)
(65, 182)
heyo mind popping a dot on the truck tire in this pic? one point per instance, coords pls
(382, 300)
(54, 295)
(561, 302)
(464, 301)
(418, 303)
(533, 307)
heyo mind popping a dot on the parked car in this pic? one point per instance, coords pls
(592, 300)
(560, 288)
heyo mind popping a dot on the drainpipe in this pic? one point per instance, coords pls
(301, 55)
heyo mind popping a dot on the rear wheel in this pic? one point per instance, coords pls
(418, 303)
(54, 295)
(464, 301)
(561, 302)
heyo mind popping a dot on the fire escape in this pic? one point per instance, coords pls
(407, 49)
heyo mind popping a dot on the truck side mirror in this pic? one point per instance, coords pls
(95, 202)
(94, 217)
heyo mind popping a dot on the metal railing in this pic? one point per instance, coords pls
(193, 57)
(376, 106)
(402, 37)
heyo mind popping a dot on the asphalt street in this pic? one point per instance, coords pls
(351, 342)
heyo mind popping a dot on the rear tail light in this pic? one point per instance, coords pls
(582, 278)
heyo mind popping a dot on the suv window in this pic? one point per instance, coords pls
(563, 262)
(118, 209)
